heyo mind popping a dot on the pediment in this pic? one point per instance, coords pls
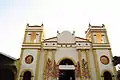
(51, 39)
(66, 37)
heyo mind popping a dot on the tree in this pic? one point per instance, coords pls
(118, 75)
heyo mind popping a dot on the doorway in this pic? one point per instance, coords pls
(67, 75)
(66, 72)
(107, 76)
(27, 75)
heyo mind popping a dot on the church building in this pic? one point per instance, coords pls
(66, 56)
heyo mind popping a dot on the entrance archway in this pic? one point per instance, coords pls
(27, 75)
(66, 70)
(6, 74)
(107, 75)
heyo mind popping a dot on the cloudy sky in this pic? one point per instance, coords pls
(56, 15)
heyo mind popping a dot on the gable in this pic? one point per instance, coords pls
(51, 39)
(66, 37)
(80, 39)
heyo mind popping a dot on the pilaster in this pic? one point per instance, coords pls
(45, 61)
(80, 60)
(96, 64)
(37, 65)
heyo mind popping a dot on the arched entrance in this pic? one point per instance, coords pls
(107, 76)
(66, 70)
(6, 74)
(27, 75)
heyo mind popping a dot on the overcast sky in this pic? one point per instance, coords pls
(56, 15)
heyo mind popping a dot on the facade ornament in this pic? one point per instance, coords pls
(89, 24)
(58, 32)
(103, 25)
(52, 70)
(27, 24)
(73, 33)
(77, 69)
(48, 69)
(42, 24)
(85, 71)
(55, 72)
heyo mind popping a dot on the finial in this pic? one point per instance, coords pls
(103, 25)
(27, 24)
(42, 24)
(73, 33)
(89, 24)
(57, 32)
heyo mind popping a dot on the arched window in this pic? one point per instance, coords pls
(107, 75)
(27, 75)
(66, 62)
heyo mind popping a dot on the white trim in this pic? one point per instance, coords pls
(67, 67)
(31, 46)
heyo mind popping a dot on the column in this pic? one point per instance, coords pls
(37, 65)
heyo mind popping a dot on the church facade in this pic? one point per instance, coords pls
(66, 56)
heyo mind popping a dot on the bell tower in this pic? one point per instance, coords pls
(97, 34)
(33, 34)
(101, 52)
(30, 53)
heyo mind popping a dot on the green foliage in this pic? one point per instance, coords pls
(118, 75)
